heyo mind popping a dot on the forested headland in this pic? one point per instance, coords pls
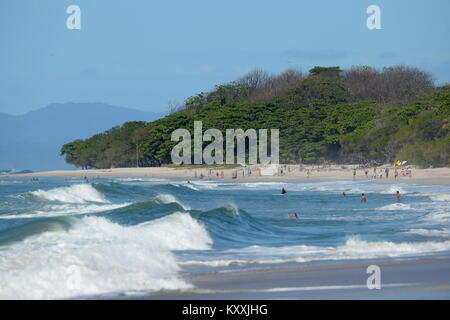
(361, 116)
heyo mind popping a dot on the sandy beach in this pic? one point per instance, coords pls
(426, 277)
(434, 176)
(338, 274)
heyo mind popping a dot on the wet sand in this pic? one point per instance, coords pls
(413, 278)
(407, 278)
(426, 277)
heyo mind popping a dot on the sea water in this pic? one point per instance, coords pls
(68, 238)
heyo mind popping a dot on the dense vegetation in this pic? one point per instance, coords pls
(362, 115)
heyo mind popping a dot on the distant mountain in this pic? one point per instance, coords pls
(33, 140)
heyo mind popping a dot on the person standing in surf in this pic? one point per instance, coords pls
(363, 198)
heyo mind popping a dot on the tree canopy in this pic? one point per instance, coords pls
(361, 115)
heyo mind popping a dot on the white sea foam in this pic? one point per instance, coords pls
(77, 193)
(262, 185)
(395, 207)
(208, 185)
(356, 187)
(141, 181)
(394, 189)
(178, 231)
(190, 186)
(66, 209)
(9, 182)
(335, 186)
(440, 197)
(439, 216)
(97, 256)
(354, 248)
(187, 185)
(318, 188)
(444, 232)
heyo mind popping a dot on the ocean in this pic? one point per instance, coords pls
(70, 238)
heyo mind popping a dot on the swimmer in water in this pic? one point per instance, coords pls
(294, 215)
(343, 193)
(398, 195)
(363, 198)
(283, 191)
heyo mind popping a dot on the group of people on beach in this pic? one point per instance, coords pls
(378, 173)
(217, 174)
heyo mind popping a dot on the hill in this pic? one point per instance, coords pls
(362, 116)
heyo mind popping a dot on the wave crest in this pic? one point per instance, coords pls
(77, 193)
(97, 256)
(168, 198)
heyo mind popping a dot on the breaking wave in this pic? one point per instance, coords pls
(168, 198)
(77, 193)
(96, 256)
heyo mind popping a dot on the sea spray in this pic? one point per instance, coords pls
(135, 235)
(77, 193)
(65, 210)
(108, 257)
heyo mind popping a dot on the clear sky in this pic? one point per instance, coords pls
(143, 53)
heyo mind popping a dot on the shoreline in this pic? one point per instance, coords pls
(418, 277)
(435, 176)
(423, 276)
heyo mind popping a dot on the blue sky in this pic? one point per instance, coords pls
(141, 54)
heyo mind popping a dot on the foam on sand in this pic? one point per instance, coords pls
(354, 248)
